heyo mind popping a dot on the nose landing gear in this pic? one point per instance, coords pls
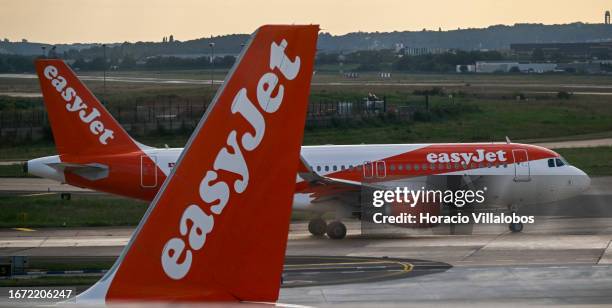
(516, 227)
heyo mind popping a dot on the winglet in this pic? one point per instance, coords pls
(217, 230)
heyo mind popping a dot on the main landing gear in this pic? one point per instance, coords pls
(335, 230)
(317, 226)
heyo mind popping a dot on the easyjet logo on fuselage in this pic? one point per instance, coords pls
(75, 104)
(230, 159)
(480, 155)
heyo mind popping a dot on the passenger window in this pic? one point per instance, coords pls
(456, 165)
(559, 162)
(407, 167)
(424, 167)
(400, 167)
(432, 167)
(416, 167)
(319, 168)
(351, 167)
(335, 168)
(551, 163)
(326, 168)
(392, 167)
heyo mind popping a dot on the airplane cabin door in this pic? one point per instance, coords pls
(522, 172)
(368, 170)
(374, 169)
(381, 169)
(148, 171)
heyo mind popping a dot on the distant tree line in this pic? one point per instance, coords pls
(16, 64)
(25, 64)
(380, 60)
(154, 63)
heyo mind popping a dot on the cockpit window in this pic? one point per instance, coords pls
(559, 162)
(551, 163)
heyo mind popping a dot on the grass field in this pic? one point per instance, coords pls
(487, 120)
(493, 113)
(51, 211)
(81, 211)
(593, 161)
(331, 73)
(13, 171)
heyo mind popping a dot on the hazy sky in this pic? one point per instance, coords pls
(67, 21)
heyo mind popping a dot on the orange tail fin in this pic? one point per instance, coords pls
(80, 123)
(217, 230)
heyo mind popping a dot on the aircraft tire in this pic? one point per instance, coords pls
(336, 230)
(317, 227)
(516, 227)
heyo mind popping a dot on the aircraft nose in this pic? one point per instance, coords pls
(581, 180)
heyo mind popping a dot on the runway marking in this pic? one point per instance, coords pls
(339, 263)
(351, 272)
(405, 267)
(39, 194)
(24, 229)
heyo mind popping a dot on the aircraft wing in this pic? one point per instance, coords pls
(309, 175)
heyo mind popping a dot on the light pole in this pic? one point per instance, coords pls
(212, 62)
(43, 51)
(104, 78)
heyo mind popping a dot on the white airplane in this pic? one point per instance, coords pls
(95, 152)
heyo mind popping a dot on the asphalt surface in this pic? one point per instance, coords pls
(564, 258)
(555, 261)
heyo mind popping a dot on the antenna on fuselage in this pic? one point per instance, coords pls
(508, 140)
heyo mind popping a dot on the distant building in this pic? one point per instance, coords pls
(568, 50)
(399, 47)
(419, 51)
(506, 67)
(582, 67)
(469, 68)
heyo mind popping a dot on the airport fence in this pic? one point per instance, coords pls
(182, 115)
